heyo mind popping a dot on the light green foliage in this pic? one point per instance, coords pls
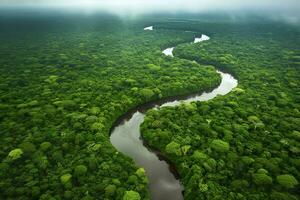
(116, 181)
(131, 195)
(94, 147)
(203, 187)
(147, 94)
(91, 119)
(51, 79)
(219, 145)
(95, 110)
(80, 170)
(198, 155)
(66, 178)
(238, 90)
(42, 162)
(185, 149)
(253, 119)
(97, 126)
(174, 148)
(140, 172)
(296, 135)
(66, 104)
(287, 180)
(190, 107)
(247, 160)
(262, 171)
(15, 154)
(153, 67)
(133, 179)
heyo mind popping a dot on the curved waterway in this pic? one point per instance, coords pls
(126, 138)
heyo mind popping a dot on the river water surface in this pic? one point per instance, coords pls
(126, 138)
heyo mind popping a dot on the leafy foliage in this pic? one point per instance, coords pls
(287, 181)
(63, 82)
(131, 195)
(15, 154)
(243, 145)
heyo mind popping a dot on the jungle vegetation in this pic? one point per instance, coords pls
(244, 145)
(65, 80)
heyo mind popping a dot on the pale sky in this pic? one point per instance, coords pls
(148, 6)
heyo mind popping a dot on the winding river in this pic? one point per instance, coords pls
(126, 137)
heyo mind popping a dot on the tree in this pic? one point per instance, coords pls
(131, 195)
(247, 160)
(68, 194)
(66, 178)
(203, 187)
(153, 67)
(15, 154)
(282, 196)
(287, 180)
(199, 156)
(239, 185)
(132, 179)
(45, 146)
(95, 110)
(140, 172)
(219, 145)
(27, 147)
(42, 161)
(97, 126)
(146, 93)
(80, 170)
(173, 148)
(185, 149)
(110, 190)
(262, 179)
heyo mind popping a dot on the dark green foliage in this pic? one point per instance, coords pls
(110, 190)
(244, 145)
(45, 146)
(262, 179)
(63, 85)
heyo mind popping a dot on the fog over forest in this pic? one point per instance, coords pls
(277, 7)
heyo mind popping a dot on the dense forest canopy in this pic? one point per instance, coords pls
(63, 85)
(244, 145)
(65, 79)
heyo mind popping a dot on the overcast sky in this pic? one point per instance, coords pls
(291, 7)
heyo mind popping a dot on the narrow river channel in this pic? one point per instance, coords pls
(126, 138)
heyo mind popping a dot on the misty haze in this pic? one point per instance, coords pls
(149, 99)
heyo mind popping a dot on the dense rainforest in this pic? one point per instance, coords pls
(244, 145)
(65, 80)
